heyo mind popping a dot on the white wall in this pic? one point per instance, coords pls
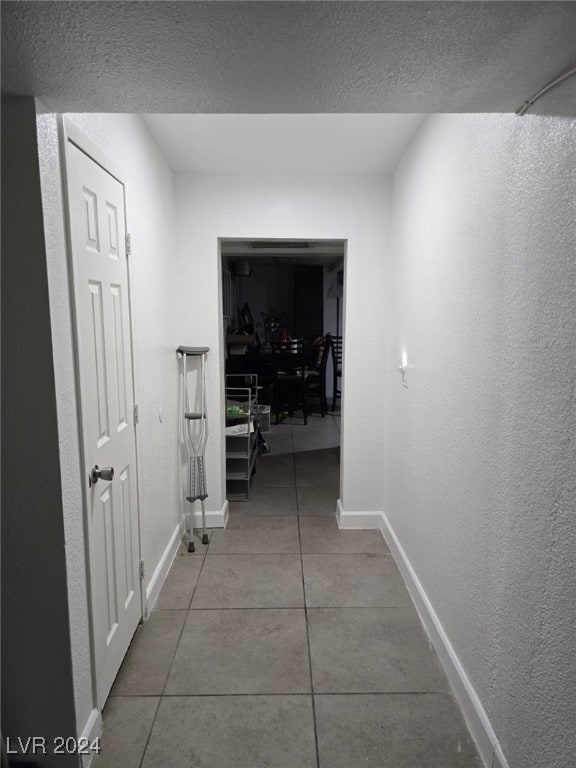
(153, 280)
(308, 207)
(153, 277)
(480, 461)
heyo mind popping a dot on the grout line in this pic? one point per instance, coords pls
(256, 608)
(255, 554)
(250, 554)
(161, 696)
(276, 554)
(301, 607)
(184, 622)
(448, 694)
(251, 608)
(297, 496)
(314, 722)
(150, 733)
(290, 608)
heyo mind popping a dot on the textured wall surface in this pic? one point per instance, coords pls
(154, 282)
(308, 207)
(255, 57)
(36, 653)
(480, 466)
(150, 220)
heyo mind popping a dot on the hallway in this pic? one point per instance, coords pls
(286, 643)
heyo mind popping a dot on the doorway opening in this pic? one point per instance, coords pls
(282, 336)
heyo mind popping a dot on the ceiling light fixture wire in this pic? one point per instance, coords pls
(552, 84)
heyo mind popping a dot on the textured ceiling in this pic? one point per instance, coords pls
(286, 57)
(283, 143)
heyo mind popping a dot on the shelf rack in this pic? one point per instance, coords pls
(241, 434)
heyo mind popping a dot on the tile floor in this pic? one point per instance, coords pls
(286, 643)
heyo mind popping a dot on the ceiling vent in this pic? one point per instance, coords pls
(290, 245)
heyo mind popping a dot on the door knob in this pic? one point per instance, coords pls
(106, 473)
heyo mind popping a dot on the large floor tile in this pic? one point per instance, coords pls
(316, 471)
(318, 500)
(279, 440)
(316, 442)
(242, 651)
(393, 731)
(317, 422)
(233, 732)
(267, 501)
(321, 477)
(275, 470)
(145, 669)
(371, 650)
(351, 581)
(321, 535)
(180, 582)
(247, 534)
(250, 581)
(127, 723)
(325, 457)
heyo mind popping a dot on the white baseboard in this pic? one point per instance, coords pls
(92, 730)
(163, 567)
(357, 520)
(217, 519)
(470, 704)
(225, 513)
(213, 520)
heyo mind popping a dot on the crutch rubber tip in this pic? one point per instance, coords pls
(191, 547)
(205, 539)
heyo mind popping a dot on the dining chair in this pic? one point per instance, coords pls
(316, 373)
(337, 363)
(289, 361)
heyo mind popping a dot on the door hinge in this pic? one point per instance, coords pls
(128, 245)
(136, 416)
(141, 570)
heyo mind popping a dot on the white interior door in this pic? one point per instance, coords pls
(98, 238)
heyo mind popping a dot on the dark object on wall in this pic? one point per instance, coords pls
(308, 302)
(241, 268)
(246, 320)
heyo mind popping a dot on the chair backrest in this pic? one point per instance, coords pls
(326, 349)
(294, 346)
(317, 352)
(289, 356)
(337, 347)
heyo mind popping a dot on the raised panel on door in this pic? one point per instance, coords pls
(97, 373)
(119, 341)
(98, 228)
